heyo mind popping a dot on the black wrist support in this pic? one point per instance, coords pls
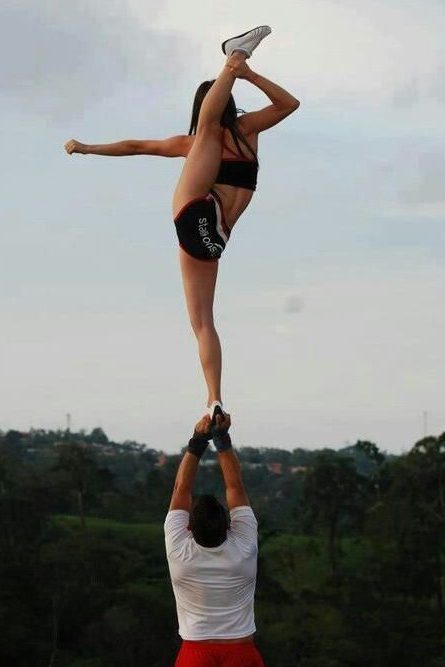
(221, 440)
(197, 445)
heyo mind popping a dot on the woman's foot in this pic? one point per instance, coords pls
(247, 42)
(214, 409)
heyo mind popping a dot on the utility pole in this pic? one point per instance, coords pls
(68, 422)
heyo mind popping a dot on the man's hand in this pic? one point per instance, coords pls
(220, 433)
(223, 422)
(202, 428)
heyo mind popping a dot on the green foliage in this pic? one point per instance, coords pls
(351, 561)
(296, 562)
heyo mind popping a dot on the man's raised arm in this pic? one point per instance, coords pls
(236, 495)
(185, 477)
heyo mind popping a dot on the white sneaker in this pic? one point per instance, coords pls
(247, 42)
(215, 408)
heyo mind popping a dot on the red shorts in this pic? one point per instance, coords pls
(198, 654)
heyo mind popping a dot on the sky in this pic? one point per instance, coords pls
(330, 295)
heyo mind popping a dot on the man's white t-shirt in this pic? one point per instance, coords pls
(214, 587)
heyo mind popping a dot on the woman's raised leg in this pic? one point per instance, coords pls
(203, 161)
(199, 279)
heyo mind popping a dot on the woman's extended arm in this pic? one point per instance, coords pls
(283, 103)
(172, 147)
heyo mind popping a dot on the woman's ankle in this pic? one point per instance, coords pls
(236, 58)
(211, 401)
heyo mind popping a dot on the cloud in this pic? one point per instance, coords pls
(346, 51)
(56, 58)
(337, 50)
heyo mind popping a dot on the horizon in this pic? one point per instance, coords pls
(238, 445)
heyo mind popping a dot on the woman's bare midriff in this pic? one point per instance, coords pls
(242, 640)
(234, 201)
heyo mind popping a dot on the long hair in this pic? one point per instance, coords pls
(228, 119)
(208, 521)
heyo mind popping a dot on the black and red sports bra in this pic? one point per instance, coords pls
(238, 171)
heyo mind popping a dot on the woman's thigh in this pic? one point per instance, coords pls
(199, 281)
(200, 169)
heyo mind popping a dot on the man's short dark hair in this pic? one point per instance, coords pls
(208, 521)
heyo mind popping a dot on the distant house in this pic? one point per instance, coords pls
(209, 463)
(107, 451)
(276, 468)
(162, 460)
(295, 469)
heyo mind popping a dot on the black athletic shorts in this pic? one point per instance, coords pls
(201, 229)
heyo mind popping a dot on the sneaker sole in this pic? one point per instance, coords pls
(243, 34)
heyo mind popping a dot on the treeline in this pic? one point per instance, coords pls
(351, 567)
